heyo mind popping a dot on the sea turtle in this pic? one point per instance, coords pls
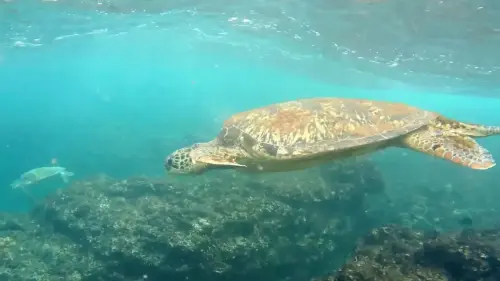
(308, 132)
(38, 174)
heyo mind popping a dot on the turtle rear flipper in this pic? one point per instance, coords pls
(474, 130)
(471, 130)
(65, 175)
(459, 149)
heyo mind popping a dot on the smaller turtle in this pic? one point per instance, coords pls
(38, 174)
(305, 133)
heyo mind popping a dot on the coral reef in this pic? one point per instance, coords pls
(394, 253)
(220, 227)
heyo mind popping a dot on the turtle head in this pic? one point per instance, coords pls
(199, 158)
(182, 161)
(17, 184)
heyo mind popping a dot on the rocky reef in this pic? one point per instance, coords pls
(394, 253)
(214, 227)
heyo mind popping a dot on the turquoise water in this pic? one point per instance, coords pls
(113, 87)
(117, 96)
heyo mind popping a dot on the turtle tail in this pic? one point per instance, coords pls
(467, 129)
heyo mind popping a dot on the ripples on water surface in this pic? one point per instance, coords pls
(442, 45)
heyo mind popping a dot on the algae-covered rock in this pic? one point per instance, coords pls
(394, 253)
(214, 227)
(29, 253)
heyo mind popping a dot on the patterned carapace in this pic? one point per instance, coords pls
(315, 125)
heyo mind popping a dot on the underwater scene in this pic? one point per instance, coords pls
(343, 140)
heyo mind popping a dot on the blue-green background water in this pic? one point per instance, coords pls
(117, 100)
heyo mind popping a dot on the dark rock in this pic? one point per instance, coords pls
(393, 253)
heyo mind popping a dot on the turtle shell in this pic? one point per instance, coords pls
(311, 126)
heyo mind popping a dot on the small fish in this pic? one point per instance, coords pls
(38, 174)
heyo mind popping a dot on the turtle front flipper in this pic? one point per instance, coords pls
(219, 161)
(457, 148)
(217, 157)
